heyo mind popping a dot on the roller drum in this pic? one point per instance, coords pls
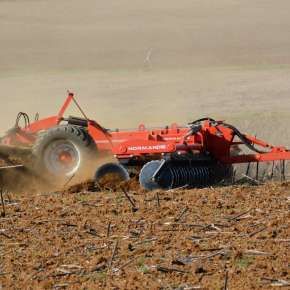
(154, 175)
(172, 175)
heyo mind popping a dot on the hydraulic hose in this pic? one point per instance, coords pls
(25, 118)
(242, 137)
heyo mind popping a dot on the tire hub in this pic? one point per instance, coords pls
(62, 157)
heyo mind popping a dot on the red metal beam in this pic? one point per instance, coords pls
(262, 157)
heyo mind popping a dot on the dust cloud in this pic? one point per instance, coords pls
(155, 62)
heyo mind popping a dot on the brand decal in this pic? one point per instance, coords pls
(149, 147)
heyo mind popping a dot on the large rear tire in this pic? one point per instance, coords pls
(64, 151)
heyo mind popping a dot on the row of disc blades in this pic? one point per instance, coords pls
(173, 175)
(158, 174)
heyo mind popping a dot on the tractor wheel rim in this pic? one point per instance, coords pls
(62, 157)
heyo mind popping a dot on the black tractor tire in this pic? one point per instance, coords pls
(63, 152)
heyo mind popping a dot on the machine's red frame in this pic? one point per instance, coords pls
(216, 139)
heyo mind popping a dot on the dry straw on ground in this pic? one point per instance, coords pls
(217, 238)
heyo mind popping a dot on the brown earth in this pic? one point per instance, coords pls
(193, 239)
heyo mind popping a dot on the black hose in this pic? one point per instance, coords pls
(201, 120)
(25, 118)
(242, 137)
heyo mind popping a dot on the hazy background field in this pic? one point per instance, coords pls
(153, 61)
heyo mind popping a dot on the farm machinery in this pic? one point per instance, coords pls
(200, 154)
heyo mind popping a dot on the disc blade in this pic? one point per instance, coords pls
(146, 174)
(112, 168)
